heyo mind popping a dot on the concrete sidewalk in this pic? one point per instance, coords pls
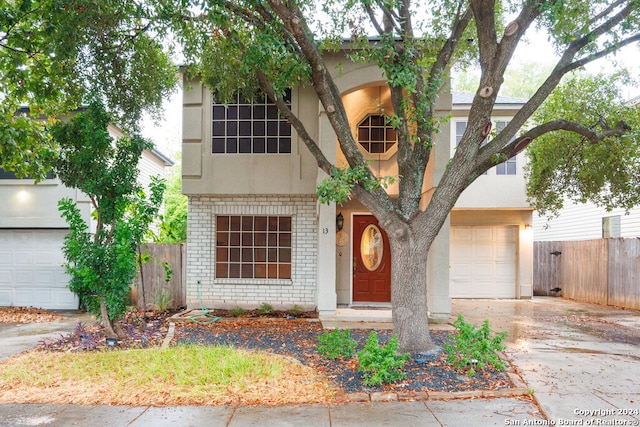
(477, 412)
(581, 361)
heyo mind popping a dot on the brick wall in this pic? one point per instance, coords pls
(225, 293)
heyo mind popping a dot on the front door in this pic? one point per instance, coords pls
(371, 261)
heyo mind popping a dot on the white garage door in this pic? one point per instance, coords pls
(31, 272)
(483, 262)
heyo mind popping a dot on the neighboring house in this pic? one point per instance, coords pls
(587, 221)
(257, 232)
(32, 233)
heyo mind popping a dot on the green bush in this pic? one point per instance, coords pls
(162, 299)
(381, 365)
(295, 310)
(265, 309)
(237, 311)
(335, 344)
(475, 348)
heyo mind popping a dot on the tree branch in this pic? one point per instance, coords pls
(605, 12)
(484, 14)
(600, 54)
(390, 16)
(520, 143)
(372, 17)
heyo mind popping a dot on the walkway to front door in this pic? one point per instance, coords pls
(371, 261)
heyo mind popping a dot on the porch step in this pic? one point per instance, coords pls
(358, 319)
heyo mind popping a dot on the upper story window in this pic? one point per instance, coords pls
(375, 134)
(508, 167)
(505, 168)
(252, 127)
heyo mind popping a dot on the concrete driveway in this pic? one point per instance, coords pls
(581, 360)
(16, 338)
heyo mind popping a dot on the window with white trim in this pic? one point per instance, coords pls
(505, 168)
(253, 247)
(251, 127)
(508, 167)
(611, 226)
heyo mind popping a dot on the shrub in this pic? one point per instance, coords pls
(295, 310)
(335, 344)
(474, 348)
(237, 311)
(162, 299)
(381, 365)
(265, 309)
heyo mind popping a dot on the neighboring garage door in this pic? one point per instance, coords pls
(31, 271)
(483, 262)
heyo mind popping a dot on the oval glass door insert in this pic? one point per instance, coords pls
(371, 247)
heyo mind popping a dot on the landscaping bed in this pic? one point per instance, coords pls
(291, 337)
(141, 329)
(298, 339)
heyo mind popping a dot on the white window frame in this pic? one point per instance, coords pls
(611, 227)
(499, 169)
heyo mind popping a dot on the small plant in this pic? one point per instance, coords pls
(474, 348)
(335, 344)
(381, 365)
(295, 310)
(265, 309)
(162, 299)
(88, 340)
(237, 311)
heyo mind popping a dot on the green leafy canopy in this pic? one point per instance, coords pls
(567, 166)
(55, 55)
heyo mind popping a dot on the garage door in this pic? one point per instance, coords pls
(483, 262)
(31, 272)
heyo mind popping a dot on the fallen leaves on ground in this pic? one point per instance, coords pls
(298, 339)
(293, 339)
(52, 378)
(27, 315)
(141, 329)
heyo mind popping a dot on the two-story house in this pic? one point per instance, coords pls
(257, 232)
(32, 233)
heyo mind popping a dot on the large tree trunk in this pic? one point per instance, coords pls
(409, 293)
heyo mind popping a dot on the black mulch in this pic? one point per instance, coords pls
(298, 339)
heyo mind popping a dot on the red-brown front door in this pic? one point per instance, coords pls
(371, 261)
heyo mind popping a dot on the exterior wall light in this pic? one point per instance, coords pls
(339, 221)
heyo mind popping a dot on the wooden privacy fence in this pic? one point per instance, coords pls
(152, 287)
(605, 271)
